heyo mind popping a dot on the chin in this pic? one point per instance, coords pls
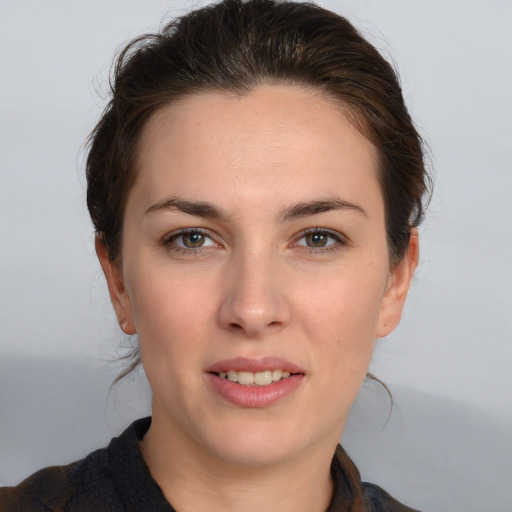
(258, 451)
(257, 443)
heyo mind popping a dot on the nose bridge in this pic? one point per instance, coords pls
(254, 299)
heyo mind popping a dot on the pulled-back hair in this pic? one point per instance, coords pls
(236, 46)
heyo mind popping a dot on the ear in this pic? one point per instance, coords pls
(399, 281)
(115, 281)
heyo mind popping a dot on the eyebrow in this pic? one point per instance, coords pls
(303, 209)
(199, 208)
(315, 207)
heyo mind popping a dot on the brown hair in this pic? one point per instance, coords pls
(235, 46)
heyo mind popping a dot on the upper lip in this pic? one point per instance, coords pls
(253, 365)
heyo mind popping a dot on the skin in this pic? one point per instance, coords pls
(257, 287)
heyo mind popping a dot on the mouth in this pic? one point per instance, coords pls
(253, 383)
(245, 378)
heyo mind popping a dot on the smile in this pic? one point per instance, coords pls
(256, 382)
(263, 378)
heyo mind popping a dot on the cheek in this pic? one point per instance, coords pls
(341, 322)
(346, 305)
(173, 321)
(171, 314)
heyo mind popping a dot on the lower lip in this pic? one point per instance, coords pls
(254, 396)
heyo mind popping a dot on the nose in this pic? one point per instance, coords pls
(254, 299)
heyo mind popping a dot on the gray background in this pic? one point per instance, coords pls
(448, 443)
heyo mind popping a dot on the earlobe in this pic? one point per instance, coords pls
(118, 295)
(398, 286)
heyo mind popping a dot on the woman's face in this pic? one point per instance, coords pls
(254, 241)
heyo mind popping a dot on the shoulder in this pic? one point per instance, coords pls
(352, 494)
(62, 488)
(112, 479)
(377, 499)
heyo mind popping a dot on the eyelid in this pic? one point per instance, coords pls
(169, 238)
(340, 238)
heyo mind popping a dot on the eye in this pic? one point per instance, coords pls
(189, 239)
(192, 240)
(318, 238)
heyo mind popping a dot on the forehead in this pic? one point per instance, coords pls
(275, 140)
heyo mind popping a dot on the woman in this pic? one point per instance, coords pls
(255, 185)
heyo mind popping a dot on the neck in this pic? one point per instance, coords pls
(193, 479)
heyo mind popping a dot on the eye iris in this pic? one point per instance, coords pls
(192, 240)
(316, 239)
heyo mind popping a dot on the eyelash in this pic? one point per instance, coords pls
(169, 241)
(340, 241)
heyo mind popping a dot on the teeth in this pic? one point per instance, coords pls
(263, 378)
(245, 378)
(259, 378)
(277, 375)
